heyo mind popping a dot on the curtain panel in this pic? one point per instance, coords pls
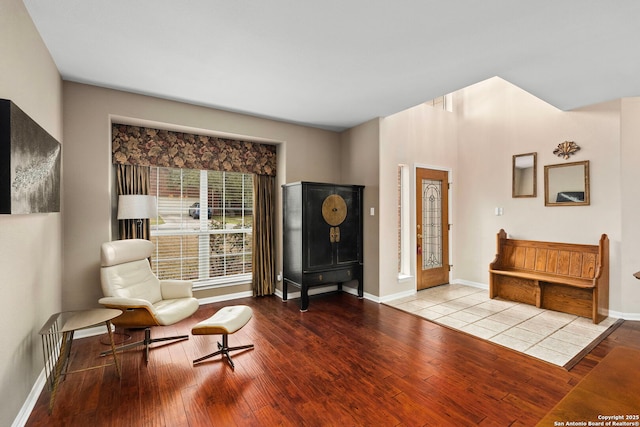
(133, 179)
(135, 145)
(264, 258)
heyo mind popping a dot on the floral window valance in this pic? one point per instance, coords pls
(135, 145)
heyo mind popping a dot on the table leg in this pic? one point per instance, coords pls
(113, 347)
(60, 367)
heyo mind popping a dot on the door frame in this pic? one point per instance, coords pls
(414, 220)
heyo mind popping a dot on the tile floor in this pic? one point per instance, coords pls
(548, 335)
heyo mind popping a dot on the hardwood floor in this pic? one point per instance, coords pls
(344, 362)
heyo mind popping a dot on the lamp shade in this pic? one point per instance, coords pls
(136, 206)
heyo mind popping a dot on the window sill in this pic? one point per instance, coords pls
(223, 282)
(404, 277)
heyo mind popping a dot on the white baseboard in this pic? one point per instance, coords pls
(470, 283)
(398, 295)
(625, 316)
(323, 289)
(23, 416)
(312, 291)
(25, 411)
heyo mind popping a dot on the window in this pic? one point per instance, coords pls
(444, 102)
(404, 245)
(203, 230)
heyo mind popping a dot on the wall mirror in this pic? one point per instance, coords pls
(523, 176)
(566, 184)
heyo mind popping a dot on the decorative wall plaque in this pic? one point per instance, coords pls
(566, 149)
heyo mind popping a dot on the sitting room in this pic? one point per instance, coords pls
(218, 114)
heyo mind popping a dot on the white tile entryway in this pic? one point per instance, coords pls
(548, 335)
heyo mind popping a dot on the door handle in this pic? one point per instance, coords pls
(334, 234)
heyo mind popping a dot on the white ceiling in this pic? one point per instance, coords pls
(337, 63)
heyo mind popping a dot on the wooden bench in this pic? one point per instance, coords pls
(566, 277)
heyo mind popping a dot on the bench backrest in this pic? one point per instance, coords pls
(563, 259)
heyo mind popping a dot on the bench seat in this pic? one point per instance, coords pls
(545, 277)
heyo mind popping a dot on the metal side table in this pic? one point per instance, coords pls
(57, 337)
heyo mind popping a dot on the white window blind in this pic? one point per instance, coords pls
(204, 225)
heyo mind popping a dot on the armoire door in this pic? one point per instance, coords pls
(319, 245)
(347, 233)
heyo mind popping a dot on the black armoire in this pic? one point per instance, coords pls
(322, 242)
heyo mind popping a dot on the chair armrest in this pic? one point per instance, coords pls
(174, 289)
(126, 302)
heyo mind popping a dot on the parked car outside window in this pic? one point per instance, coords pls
(194, 211)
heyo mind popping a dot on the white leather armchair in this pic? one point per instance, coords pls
(128, 283)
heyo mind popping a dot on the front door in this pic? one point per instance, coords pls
(432, 219)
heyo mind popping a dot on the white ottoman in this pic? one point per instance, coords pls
(226, 321)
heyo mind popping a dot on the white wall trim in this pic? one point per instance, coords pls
(470, 283)
(624, 316)
(398, 295)
(323, 289)
(312, 291)
(24, 413)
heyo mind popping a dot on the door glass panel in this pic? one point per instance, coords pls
(431, 224)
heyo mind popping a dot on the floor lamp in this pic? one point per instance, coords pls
(138, 207)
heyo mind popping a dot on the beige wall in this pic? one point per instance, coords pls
(498, 120)
(493, 121)
(628, 300)
(421, 136)
(304, 154)
(30, 245)
(359, 158)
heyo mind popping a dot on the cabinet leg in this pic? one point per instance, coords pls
(284, 290)
(304, 298)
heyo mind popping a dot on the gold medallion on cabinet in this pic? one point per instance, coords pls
(334, 210)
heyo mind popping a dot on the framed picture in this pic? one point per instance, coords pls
(29, 164)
